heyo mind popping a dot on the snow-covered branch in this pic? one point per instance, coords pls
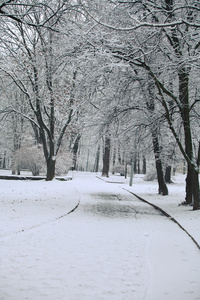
(10, 109)
(143, 24)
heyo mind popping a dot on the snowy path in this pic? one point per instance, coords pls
(112, 247)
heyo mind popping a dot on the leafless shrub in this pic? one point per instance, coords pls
(63, 163)
(30, 158)
(150, 176)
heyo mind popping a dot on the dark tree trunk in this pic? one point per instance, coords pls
(126, 170)
(185, 114)
(192, 187)
(168, 174)
(192, 180)
(113, 160)
(106, 158)
(184, 167)
(189, 184)
(51, 162)
(4, 160)
(162, 187)
(195, 190)
(119, 155)
(38, 139)
(135, 164)
(138, 164)
(174, 171)
(87, 162)
(75, 151)
(144, 168)
(96, 169)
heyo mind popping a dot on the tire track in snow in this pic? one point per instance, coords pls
(163, 212)
(41, 224)
(166, 215)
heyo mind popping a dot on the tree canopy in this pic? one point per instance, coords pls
(127, 69)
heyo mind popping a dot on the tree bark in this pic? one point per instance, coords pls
(113, 160)
(138, 164)
(185, 114)
(168, 174)
(195, 190)
(162, 187)
(192, 180)
(144, 168)
(135, 164)
(51, 162)
(75, 151)
(106, 158)
(126, 170)
(96, 169)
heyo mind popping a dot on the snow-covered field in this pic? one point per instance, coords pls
(113, 246)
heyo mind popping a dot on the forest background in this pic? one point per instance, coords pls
(112, 81)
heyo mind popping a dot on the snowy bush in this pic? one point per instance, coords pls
(150, 176)
(63, 163)
(30, 158)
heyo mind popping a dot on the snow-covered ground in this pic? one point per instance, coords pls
(113, 246)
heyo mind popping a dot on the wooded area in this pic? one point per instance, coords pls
(117, 81)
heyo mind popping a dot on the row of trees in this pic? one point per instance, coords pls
(127, 69)
(159, 42)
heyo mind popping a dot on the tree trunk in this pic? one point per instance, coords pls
(138, 164)
(144, 168)
(162, 187)
(192, 179)
(185, 114)
(4, 160)
(189, 184)
(119, 155)
(51, 163)
(96, 169)
(106, 158)
(87, 162)
(135, 164)
(168, 174)
(126, 170)
(113, 161)
(75, 151)
(195, 190)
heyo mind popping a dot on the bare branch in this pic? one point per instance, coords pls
(10, 109)
(143, 24)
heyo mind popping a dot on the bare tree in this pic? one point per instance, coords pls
(35, 62)
(170, 30)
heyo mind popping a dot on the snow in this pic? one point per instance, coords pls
(112, 246)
